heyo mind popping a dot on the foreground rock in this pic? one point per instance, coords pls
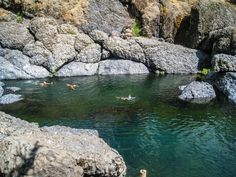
(10, 98)
(27, 150)
(198, 92)
(226, 83)
(114, 67)
(224, 63)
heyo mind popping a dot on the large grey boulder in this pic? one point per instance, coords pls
(15, 65)
(169, 58)
(224, 63)
(125, 49)
(27, 150)
(10, 98)
(207, 16)
(115, 66)
(78, 69)
(226, 83)
(14, 35)
(198, 92)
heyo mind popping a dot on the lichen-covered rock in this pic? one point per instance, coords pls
(82, 41)
(115, 66)
(15, 65)
(27, 150)
(207, 16)
(226, 83)
(198, 92)
(90, 54)
(10, 98)
(224, 63)
(14, 35)
(78, 69)
(169, 58)
(6, 15)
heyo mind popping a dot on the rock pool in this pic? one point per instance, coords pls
(155, 131)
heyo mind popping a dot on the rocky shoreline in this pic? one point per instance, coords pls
(29, 150)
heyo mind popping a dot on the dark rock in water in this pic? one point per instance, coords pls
(27, 150)
(10, 98)
(198, 92)
(13, 89)
(1, 91)
(224, 63)
(226, 83)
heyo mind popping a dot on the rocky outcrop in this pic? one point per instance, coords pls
(197, 92)
(109, 67)
(10, 98)
(206, 16)
(27, 150)
(224, 63)
(226, 83)
(106, 15)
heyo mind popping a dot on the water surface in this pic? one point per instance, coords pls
(157, 132)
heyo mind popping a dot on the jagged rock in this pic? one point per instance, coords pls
(98, 36)
(82, 41)
(207, 16)
(113, 67)
(13, 89)
(68, 29)
(63, 51)
(223, 62)
(1, 91)
(226, 83)
(2, 84)
(170, 58)
(106, 54)
(10, 98)
(14, 35)
(90, 54)
(125, 49)
(27, 150)
(15, 65)
(78, 69)
(38, 53)
(198, 92)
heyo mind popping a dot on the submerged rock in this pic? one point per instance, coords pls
(10, 98)
(226, 83)
(198, 92)
(223, 62)
(13, 89)
(27, 150)
(115, 66)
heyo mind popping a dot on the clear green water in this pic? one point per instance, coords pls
(157, 132)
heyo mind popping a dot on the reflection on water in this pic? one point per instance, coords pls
(156, 131)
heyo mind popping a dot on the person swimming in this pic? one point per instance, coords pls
(45, 84)
(72, 86)
(129, 98)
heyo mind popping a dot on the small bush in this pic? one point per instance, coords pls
(137, 28)
(202, 75)
(19, 17)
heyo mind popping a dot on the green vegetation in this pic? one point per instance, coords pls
(19, 17)
(137, 28)
(202, 75)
